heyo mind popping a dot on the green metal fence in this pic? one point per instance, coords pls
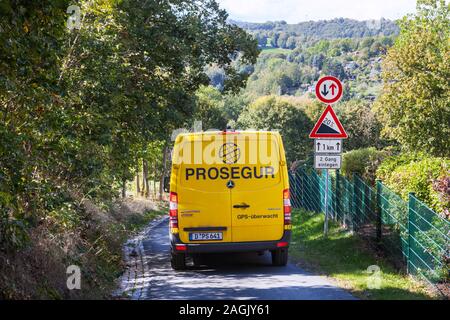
(408, 231)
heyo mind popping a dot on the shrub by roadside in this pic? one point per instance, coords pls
(94, 243)
(403, 173)
(363, 162)
(421, 174)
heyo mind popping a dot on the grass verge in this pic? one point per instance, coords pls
(345, 257)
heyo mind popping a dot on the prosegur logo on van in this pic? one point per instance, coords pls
(214, 173)
(230, 153)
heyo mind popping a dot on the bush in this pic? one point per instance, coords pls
(437, 246)
(361, 125)
(363, 162)
(389, 164)
(416, 173)
(442, 187)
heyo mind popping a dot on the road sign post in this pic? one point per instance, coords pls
(325, 225)
(328, 133)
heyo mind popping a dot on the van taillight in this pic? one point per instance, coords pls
(287, 207)
(173, 210)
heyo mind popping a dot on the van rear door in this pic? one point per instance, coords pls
(204, 201)
(257, 197)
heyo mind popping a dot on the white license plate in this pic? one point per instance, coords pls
(205, 236)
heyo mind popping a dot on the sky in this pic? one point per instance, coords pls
(293, 11)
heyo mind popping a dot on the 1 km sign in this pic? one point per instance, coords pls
(329, 89)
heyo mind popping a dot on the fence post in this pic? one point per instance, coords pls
(325, 225)
(297, 178)
(307, 184)
(411, 208)
(322, 192)
(363, 205)
(304, 189)
(338, 196)
(378, 211)
(300, 187)
(354, 205)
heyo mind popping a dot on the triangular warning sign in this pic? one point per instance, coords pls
(328, 126)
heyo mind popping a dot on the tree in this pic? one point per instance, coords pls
(234, 104)
(78, 106)
(376, 49)
(317, 61)
(216, 76)
(274, 113)
(334, 68)
(282, 39)
(262, 39)
(414, 105)
(210, 108)
(291, 42)
(31, 44)
(361, 125)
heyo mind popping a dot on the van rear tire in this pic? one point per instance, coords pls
(280, 257)
(178, 261)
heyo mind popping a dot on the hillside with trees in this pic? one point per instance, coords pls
(279, 34)
(89, 101)
(354, 57)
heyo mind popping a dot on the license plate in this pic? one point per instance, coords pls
(205, 236)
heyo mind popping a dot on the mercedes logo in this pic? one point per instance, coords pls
(230, 184)
(229, 153)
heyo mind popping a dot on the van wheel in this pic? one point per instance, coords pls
(178, 261)
(280, 257)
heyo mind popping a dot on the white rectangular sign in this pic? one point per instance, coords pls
(328, 146)
(324, 161)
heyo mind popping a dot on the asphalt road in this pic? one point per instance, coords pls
(230, 276)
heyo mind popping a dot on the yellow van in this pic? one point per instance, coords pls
(229, 192)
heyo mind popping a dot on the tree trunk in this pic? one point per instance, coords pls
(155, 168)
(138, 184)
(124, 188)
(147, 187)
(163, 174)
(145, 178)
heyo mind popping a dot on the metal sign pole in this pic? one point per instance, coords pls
(325, 225)
(328, 132)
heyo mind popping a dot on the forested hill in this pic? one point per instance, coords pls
(284, 35)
